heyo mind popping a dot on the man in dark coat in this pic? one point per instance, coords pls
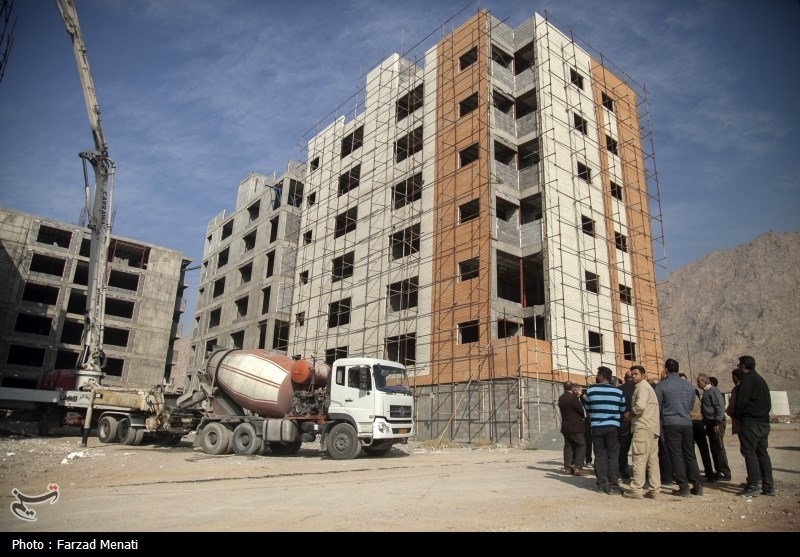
(572, 428)
(753, 405)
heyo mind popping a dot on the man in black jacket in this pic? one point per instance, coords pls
(572, 428)
(752, 407)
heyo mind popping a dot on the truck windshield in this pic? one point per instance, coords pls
(390, 379)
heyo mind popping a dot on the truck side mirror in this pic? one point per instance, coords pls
(364, 379)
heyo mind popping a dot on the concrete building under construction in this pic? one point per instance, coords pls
(487, 216)
(44, 266)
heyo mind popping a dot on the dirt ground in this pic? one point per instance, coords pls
(415, 487)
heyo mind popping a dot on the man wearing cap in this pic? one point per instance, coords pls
(572, 428)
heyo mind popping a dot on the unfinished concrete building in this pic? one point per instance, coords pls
(487, 217)
(483, 213)
(248, 269)
(44, 268)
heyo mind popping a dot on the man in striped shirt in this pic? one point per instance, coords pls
(605, 405)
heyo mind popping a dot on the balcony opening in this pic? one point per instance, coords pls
(506, 328)
(55, 237)
(28, 356)
(521, 280)
(531, 208)
(503, 58)
(123, 280)
(523, 59)
(534, 327)
(505, 155)
(506, 211)
(526, 104)
(48, 265)
(503, 103)
(33, 324)
(40, 294)
(529, 154)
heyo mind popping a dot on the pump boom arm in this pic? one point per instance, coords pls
(92, 358)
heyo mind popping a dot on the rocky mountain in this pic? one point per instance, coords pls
(743, 300)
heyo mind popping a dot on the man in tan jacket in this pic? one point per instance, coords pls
(644, 418)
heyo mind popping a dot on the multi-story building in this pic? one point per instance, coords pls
(248, 269)
(44, 267)
(485, 220)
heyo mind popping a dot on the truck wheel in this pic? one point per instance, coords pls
(129, 435)
(245, 441)
(343, 443)
(280, 449)
(377, 450)
(107, 429)
(215, 439)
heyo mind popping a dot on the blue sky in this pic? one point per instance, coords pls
(195, 94)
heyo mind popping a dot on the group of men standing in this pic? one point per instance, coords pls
(637, 414)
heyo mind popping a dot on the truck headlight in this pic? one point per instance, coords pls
(383, 427)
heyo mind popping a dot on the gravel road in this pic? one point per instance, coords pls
(415, 487)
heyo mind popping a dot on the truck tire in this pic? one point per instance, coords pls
(129, 435)
(107, 429)
(245, 441)
(215, 439)
(343, 443)
(285, 449)
(377, 450)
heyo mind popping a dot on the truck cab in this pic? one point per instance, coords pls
(374, 397)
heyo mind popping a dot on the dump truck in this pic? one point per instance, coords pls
(254, 402)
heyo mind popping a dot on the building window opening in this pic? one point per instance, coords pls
(405, 242)
(592, 282)
(584, 172)
(575, 78)
(402, 349)
(629, 350)
(352, 141)
(241, 307)
(528, 154)
(469, 211)
(339, 313)
(214, 318)
(625, 294)
(342, 267)
(47, 265)
(350, 180)
(506, 328)
(469, 269)
(580, 124)
(621, 242)
(502, 58)
(49, 236)
(222, 258)
(595, 342)
(616, 191)
(407, 191)
(410, 102)
(227, 229)
(403, 294)
(468, 332)
(468, 155)
(408, 145)
(587, 225)
(345, 222)
(468, 105)
(468, 58)
(607, 102)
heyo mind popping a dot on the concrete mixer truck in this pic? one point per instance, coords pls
(253, 402)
